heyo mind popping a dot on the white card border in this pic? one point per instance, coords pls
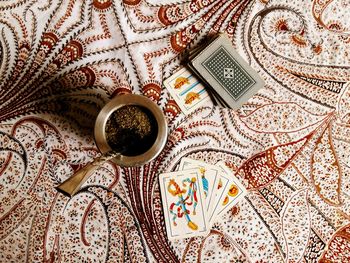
(173, 94)
(162, 178)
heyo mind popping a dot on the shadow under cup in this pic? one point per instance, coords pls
(155, 114)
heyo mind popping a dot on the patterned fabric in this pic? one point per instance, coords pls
(61, 61)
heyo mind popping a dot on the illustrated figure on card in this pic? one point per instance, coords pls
(188, 92)
(187, 201)
(184, 206)
(232, 192)
(204, 181)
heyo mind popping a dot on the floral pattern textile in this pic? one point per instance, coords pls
(61, 61)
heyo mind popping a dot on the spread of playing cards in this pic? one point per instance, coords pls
(195, 195)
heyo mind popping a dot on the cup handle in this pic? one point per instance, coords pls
(72, 185)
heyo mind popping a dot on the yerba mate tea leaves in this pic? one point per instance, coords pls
(131, 130)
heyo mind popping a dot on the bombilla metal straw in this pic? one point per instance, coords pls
(72, 185)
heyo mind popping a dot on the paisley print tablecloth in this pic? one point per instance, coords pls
(62, 60)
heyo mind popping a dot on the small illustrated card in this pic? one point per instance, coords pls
(183, 201)
(232, 192)
(220, 186)
(210, 178)
(186, 90)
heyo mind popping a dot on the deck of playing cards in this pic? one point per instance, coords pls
(195, 195)
(230, 79)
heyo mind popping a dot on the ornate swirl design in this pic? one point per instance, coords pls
(61, 61)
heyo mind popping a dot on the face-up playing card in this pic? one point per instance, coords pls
(220, 186)
(232, 191)
(226, 72)
(210, 177)
(186, 90)
(183, 204)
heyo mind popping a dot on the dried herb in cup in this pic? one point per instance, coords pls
(131, 129)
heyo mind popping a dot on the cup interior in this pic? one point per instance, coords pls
(137, 100)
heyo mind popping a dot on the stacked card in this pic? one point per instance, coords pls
(197, 194)
(230, 79)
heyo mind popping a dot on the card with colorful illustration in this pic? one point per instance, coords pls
(183, 204)
(210, 178)
(220, 186)
(232, 192)
(188, 92)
